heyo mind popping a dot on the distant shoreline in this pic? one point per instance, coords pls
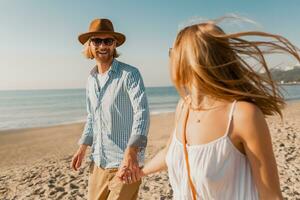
(21, 129)
(57, 107)
(293, 83)
(9, 130)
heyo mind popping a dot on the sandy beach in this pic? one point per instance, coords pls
(35, 162)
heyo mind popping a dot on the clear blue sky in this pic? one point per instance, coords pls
(39, 47)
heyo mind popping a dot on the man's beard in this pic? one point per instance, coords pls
(104, 55)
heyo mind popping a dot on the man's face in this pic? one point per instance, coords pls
(103, 47)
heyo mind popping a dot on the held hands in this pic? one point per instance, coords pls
(129, 171)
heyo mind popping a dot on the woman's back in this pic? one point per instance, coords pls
(218, 169)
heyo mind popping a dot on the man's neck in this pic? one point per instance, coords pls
(103, 66)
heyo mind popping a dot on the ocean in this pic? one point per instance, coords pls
(39, 108)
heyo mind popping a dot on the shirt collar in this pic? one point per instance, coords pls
(114, 68)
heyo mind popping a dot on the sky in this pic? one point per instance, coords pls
(39, 47)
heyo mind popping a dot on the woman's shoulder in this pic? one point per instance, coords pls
(180, 106)
(249, 121)
(245, 111)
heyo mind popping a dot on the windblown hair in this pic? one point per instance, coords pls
(87, 52)
(207, 61)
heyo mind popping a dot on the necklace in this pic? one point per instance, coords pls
(199, 116)
(198, 109)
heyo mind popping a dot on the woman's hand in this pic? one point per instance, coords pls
(129, 170)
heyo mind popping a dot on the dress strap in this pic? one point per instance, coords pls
(181, 108)
(230, 116)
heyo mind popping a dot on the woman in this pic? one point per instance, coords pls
(221, 116)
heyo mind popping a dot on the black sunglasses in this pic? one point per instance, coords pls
(105, 41)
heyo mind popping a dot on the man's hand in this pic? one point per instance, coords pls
(78, 157)
(129, 171)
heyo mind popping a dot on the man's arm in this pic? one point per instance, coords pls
(86, 137)
(141, 120)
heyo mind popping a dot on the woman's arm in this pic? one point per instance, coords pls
(250, 125)
(158, 163)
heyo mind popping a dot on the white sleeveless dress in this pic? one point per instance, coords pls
(218, 170)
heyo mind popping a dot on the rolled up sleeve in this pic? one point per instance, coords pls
(141, 116)
(87, 135)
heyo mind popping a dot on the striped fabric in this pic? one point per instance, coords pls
(118, 115)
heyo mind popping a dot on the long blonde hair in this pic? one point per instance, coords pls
(210, 62)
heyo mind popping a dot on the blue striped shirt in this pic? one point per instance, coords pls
(118, 115)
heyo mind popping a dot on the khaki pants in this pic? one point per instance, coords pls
(104, 185)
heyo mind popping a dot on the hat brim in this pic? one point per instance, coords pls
(83, 38)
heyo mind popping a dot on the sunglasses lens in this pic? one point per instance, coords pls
(96, 41)
(106, 41)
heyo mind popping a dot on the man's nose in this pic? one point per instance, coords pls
(102, 45)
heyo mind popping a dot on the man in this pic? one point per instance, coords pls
(118, 118)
